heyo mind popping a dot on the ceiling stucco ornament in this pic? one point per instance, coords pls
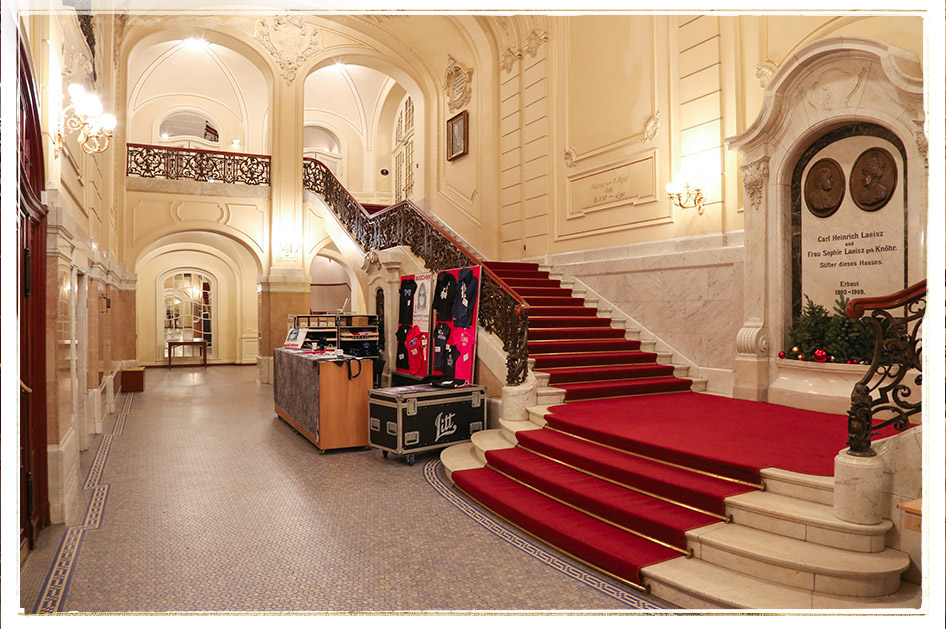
(536, 38)
(290, 41)
(764, 72)
(510, 57)
(458, 84)
(651, 127)
(755, 176)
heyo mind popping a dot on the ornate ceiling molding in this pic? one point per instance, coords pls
(290, 41)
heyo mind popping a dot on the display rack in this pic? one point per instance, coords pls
(354, 334)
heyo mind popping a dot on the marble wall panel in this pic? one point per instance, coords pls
(687, 293)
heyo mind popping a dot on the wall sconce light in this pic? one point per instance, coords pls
(84, 116)
(685, 195)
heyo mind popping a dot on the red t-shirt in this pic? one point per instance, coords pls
(417, 351)
(464, 339)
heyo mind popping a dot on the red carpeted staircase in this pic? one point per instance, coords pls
(582, 353)
(627, 481)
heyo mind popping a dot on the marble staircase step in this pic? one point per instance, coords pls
(550, 395)
(805, 520)
(695, 584)
(459, 457)
(798, 563)
(818, 489)
(492, 439)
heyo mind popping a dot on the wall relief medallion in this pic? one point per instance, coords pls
(824, 188)
(458, 84)
(873, 179)
(833, 88)
(290, 41)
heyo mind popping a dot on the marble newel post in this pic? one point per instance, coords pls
(858, 488)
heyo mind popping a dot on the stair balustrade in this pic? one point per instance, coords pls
(502, 311)
(168, 162)
(881, 397)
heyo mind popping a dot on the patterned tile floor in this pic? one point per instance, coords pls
(215, 504)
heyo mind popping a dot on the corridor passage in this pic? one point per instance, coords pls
(204, 500)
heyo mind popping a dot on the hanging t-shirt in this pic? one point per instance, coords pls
(417, 351)
(444, 295)
(451, 355)
(400, 360)
(441, 337)
(463, 340)
(406, 309)
(464, 306)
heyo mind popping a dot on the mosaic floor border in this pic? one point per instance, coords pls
(56, 586)
(630, 598)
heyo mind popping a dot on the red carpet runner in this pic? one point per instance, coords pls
(583, 483)
(583, 354)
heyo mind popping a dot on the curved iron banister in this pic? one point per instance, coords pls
(897, 350)
(502, 311)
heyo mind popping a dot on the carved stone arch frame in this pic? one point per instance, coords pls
(876, 83)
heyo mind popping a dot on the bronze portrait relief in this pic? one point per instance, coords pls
(873, 179)
(824, 188)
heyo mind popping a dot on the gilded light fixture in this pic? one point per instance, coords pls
(86, 118)
(685, 195)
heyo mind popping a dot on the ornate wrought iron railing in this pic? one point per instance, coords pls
(888, 393)
(502, 311)
(168, 162)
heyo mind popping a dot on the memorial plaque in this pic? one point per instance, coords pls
(873, 179)
(824, 188)
(848, 251)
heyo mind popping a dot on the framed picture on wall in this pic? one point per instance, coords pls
(458, 133)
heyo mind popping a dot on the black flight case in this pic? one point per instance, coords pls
(419, 417)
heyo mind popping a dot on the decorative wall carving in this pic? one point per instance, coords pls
(752, 339)
(651, 127)
(536, 38)
(77, 67)
(120, 21)
(290, 41)
(569, 159)
(458, 84)
(509, 59)
(755, 176)
(833, 88)
(764, 72)
(922, 144)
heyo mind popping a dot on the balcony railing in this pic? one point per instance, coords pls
(167, 162)
(502, 311)
(888, 394)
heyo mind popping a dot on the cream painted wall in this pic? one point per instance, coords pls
(590, 136)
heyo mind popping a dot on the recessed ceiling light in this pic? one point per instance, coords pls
(196, 43)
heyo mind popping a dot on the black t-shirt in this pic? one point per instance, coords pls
(406, 310)
(444, 294)
(441, 335)
(465, 303)
(400, 359)
(451, 354)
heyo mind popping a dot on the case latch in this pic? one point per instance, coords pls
(476, 399)
(412, 406)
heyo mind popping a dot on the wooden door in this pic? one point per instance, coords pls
(31, 310)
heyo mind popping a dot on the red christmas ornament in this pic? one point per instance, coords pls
(821, 355)
(781, 354)
(801, 357)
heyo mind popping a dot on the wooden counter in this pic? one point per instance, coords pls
(325, 400)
